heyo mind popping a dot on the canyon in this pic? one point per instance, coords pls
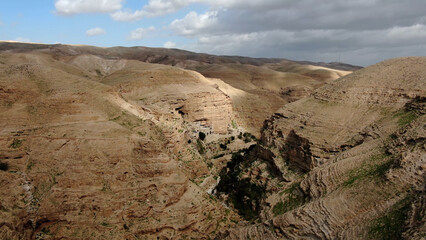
(145, 143)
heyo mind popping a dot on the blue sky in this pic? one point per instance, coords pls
(359, 32)
(37, 21)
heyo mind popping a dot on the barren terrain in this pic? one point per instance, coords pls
(139, 143)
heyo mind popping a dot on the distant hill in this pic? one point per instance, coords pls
(268, 83)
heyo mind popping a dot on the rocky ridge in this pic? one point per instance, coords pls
(354, 158)
(96, 146)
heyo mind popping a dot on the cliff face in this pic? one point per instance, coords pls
(84, 157)
(344, 113)
(361, 142)
(208, 109)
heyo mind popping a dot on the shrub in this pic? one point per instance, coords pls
(16, 143)
(200, 147)
(201, 136)
(278, 209)
(234, 124)
(245, 196)
(4, 166)
(223, 146)
(218, 156)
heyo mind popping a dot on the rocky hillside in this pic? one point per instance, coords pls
(265, 84)
(352, 159)
(105, 144)
(95, 148)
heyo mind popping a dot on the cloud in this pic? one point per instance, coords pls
(140, 33)
(154, 8)
(193, 23)
(95, 32)
(169, 44)
(72, 7)
(362, 47)
(370, 30)
(409, 33)
(22, 39)
(296, 30)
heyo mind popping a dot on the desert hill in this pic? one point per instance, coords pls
(139, 143)
(352, 156)
(268, 84)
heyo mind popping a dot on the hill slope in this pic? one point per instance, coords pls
(267, 84)
(96, 143)
(352, 156)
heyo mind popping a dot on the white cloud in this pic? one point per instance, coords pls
(95, 32)
(128, 16)
(282, 28)
(154, 8)
(169, 44)
(193, 23)
(293, 29)
(71, 7)
(22, 39)
(363, 47)
(140, 33)
(409, 33)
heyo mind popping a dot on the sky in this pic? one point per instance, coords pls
(360, 32)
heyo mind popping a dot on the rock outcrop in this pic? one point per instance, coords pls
(82, 160)
(361, 141)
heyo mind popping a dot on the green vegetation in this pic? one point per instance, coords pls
(278, 208)
(294, 198)
(106, 224)
(219, 156)
(405, 117)
(4, 166)
(126, 227)
(244, 195)
(30, 165)
(127, 120)
(248, 137)
(392, 224)
(16, 143)
(376, 168)
(105, 186)
(201, 136)
(209, 165)
(98, 72)
(223, 146)
(234, 124)
(200, 147)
